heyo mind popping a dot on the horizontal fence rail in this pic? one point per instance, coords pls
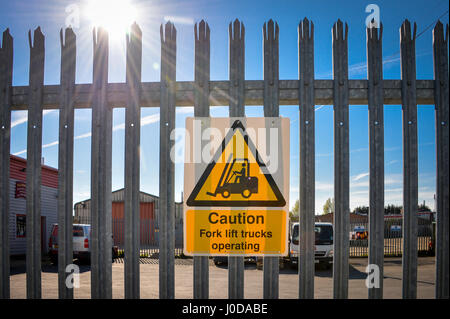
(135, 236)
(117, 93)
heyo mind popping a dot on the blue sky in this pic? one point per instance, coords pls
(21, 16)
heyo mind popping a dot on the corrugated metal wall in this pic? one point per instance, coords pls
(18, 167)
(49, 204)
(149, 223)
(18, 207)
(82, 209)
(147, 210)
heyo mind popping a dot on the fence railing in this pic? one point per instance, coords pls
(358, 237)
(149, 234)
(393, 238)
(237, 92)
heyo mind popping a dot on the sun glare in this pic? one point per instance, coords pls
(116, 16)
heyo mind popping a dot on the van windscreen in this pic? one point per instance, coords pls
(78, 231)
(324, 234)
(295, 232)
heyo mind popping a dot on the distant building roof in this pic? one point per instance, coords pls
(357, 218)
(354, 218)
(18, 171)
(119, 196)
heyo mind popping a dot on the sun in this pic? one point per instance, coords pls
(116, 16)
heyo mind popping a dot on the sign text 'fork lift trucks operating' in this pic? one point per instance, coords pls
(237, 203)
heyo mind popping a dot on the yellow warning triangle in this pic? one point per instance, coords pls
(236, 177)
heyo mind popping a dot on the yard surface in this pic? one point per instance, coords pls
(149, 276)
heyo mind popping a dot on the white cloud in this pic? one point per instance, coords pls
(393, 190)
(361, 67)
(360, 176)
(179, 20)
(364, 184)
(324, 154)
(150, 119)
(393, 179)
(20, 117)
(319, 107)
(20, 153)
(323, 186)
(146, 120)
(85, 135)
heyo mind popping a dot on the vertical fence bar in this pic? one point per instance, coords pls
(237, 109)
(201, 109)
(6, 71)
(307, 158)
(101, 158)
(132, 162)
(440, 49)
(34, 151)
(271, 67)
(271, 109)
(236, 32)
(410, 160)
(341, 161)
(166, 165)
(376, 153)
(65, 160)
(202, 69)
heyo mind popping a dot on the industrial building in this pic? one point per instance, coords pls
(149, 219)
(18, 204)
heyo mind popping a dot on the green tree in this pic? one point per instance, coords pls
(329, 206)
(295, 212)
(423, 208)
(361, 210)
(392, 210)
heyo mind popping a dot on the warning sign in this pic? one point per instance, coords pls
(230, 180)
(235, 232)
(236, 186)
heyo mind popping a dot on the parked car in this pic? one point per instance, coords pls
(359, 232)
(224, 260)
(395, 231)
(81, 243)
(323, 252)
(220, 260)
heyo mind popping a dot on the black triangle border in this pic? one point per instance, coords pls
(280, 202)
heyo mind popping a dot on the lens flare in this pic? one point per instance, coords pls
(116, 16)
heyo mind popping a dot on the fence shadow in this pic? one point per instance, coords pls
(320, 271)
(19, 266)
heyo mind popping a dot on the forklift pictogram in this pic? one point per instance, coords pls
(236, 179)
(240, 181)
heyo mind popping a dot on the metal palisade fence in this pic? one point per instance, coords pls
(236, 92)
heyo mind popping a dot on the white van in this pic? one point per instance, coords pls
(81, 243)
(323, 245)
